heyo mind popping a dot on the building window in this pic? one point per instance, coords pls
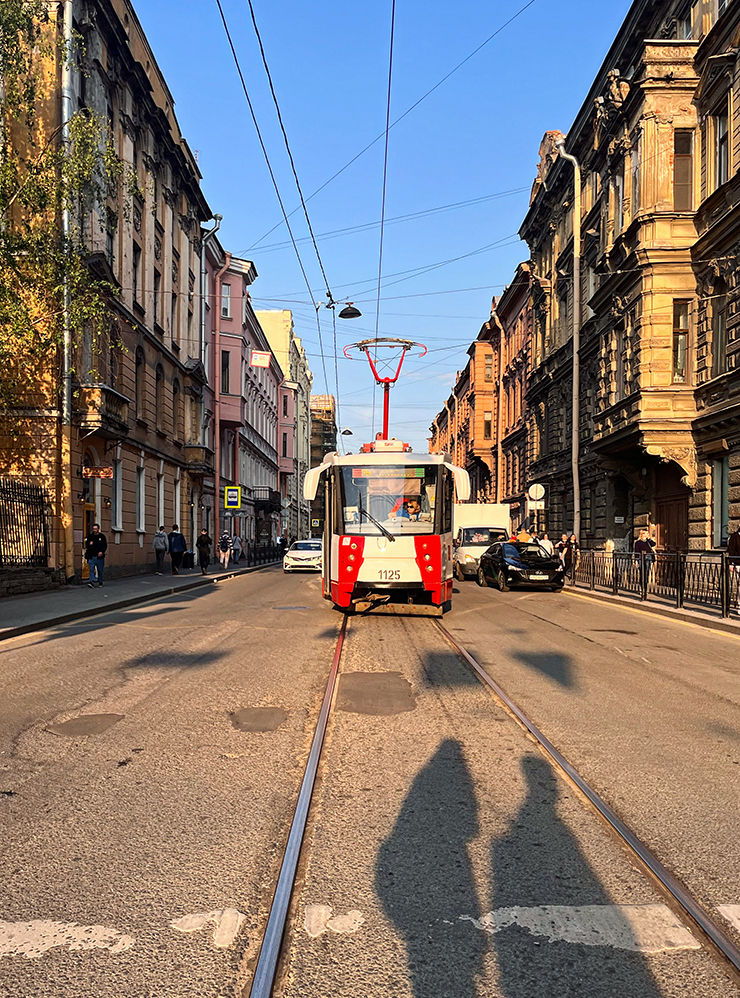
(158, 400)
(719, 329)
(160, 500)
(489, 367)
(116, 510)
(487, 425)
(141, 499)
(619, 200)
(721, 501)
(635, 176)
(139, 379)
(687, 21)
(225, 371)
(285, 405)
(680, 341)
(174, 332)
(226, 301)
(157, 287)
(721, 146)
(683, 169)
(285, 445)
(177, 413)
(136, 272)
(176, 498)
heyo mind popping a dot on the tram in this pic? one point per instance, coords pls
(388, 528)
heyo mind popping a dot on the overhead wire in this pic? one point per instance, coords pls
(407, 111)
(275, 185)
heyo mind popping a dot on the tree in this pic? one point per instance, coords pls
(40, 177)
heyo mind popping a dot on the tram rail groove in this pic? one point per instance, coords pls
(269, 954)
(709, 932)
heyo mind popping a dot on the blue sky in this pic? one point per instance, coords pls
(477, 136)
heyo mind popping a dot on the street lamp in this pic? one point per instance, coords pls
(347, 433)
(350, 312)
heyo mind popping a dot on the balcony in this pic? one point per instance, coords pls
(200, 460)
(101, 410)
(266, 499)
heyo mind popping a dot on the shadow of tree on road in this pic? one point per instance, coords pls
(551, 663)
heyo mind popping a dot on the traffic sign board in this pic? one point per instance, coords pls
(233, 497)
(535, 505)
(315, 523)
(536, 492)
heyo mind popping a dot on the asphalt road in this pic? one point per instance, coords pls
(150, 760)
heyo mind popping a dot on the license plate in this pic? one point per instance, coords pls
(536, 577)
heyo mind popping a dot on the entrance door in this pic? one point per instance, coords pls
(673, 524)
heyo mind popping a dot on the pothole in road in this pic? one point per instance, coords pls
(85, 724)
(379, 693)
(258, 718)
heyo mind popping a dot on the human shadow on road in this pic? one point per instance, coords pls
(424, 879)
(549, 663)
(446, 669)
(539, 862)
(175, 660)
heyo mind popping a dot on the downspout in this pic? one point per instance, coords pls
(575, 432)
(499, 417)
(66, 441)
(207, 236)
(217, 398)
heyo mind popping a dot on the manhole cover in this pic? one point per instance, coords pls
(85, 724)
(258, 718)
(380, 693)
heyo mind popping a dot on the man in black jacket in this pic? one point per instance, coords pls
(95, 547)
(178, 547)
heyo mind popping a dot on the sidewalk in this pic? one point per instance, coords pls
(700, 617)
(20, 614)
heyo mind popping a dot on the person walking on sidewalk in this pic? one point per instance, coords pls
(224, 549)
(546, 543)
(160, 546)
(203, 544)
(236, 547)
(96, 544)
(178, 547)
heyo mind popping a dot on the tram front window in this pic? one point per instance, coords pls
(400, 499)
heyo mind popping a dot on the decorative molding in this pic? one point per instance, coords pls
(684, 457)
(137, 218)
(157, 248)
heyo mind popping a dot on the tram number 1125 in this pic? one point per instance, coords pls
(389, 574)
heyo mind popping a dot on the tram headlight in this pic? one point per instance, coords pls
(351, 557)
(430, 568)
(427, 557)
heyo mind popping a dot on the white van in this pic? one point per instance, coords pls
(477, 526)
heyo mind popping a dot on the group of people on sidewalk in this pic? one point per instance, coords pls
(567, 548)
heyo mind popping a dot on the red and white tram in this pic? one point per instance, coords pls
(388, 527)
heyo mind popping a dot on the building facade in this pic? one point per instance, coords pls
(323, 441)
(289, 351)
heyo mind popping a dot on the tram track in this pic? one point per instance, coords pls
(706, 929)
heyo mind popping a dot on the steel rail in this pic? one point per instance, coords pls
(709, 932)
(264, 974)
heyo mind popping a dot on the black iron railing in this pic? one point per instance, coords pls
(681, 578)
(261, 554)
(24, 531)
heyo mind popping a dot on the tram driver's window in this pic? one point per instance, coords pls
(448, 503)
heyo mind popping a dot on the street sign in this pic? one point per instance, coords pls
(97, 472)
(261, 358)
(536, 492)
(285, 502)
(535, 505)
(315, 523)
(233, 497)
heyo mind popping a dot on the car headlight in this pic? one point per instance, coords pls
(469, 557)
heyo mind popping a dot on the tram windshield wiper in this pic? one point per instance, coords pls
(372, 519)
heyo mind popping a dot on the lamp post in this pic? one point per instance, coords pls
(575, 430)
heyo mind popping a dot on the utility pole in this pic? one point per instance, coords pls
(575, 433)
(66, 435)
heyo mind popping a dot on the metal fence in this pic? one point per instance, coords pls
(24, 532)
(679, 579)
(257, 554)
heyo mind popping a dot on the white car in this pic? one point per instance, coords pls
(304, 556)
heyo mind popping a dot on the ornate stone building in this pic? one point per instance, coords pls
(654, 138)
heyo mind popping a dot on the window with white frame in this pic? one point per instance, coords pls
(160, 500)
(720, 124)
(226, 301)
(116, 508)
(141, 499)
(176, 497)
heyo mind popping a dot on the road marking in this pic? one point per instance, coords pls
(644, 928)
(318, 918)
(33, 939)
(227, 922)
(732, 913)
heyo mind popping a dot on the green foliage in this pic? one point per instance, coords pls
(39, 180)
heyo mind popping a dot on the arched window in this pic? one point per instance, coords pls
(177, 411)
(139, 383)
(158, 397)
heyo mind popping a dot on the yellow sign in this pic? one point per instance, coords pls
(97, 472)
(233, 497)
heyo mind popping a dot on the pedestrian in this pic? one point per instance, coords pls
(546, 543)
(96, 544)
(561, 546)
(733, 546)
(236, 546)
(570, 555)
(645, 545)
(203, 544)
(178, 547)
(733, 558)
(524, 535)
(160, 546)
(224, 549)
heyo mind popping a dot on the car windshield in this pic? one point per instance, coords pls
(481, 536)
(400, 498)
(306, 546)
(526, 552)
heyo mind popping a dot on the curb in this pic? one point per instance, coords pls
(711, 623)
(40, 625)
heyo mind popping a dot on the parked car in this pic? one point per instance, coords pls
(304, 556)
(518, 563)
(470, 544)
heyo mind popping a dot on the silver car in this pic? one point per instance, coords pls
(306, 556)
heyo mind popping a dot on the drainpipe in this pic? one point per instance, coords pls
(575, 434)
(217, 399)
(207, 236)
(499, 417)
(66, 441)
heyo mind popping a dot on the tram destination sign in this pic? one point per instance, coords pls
(388, 472)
